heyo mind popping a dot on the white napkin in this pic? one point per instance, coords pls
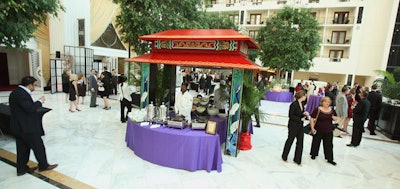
(142, 124)
(155, 126)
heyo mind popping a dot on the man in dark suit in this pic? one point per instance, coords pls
(375, 98)
(93, 88)
(360, 115)
(27, 128)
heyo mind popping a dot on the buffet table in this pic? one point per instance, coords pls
(313, 102)
(183, 149)
(5, 118)
(279, 96)
(389, 121)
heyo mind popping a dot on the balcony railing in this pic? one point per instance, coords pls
(282, 1)
(335, 59)
(337, 21)
(347, 41)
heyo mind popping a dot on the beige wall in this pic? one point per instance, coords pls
(372, 34)
(321, 77)
(18, 64)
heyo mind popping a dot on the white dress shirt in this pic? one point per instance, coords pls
(125, 92)
(183, 105)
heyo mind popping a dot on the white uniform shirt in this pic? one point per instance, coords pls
(183, 105)
(125, 92)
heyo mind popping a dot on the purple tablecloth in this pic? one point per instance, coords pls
(222, 125)
(183, 149)
(279, 96)
(313, 102)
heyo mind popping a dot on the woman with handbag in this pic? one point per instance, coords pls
(322, 129)
(297, 116)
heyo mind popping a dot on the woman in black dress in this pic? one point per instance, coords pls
(73, 88)
(297, 116)
(105, 82)
(65, 84)
(81, 87)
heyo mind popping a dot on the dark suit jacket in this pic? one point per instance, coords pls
(360, 112)
(25, 118)
(93, 83)
(295, 114)
(375, 98)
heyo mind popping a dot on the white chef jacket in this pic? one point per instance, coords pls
(124, 92)
(183, 105)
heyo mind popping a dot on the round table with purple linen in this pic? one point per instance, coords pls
(313, 102)
(279, 96)
(177, 148)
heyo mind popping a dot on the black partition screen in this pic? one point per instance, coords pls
(79, 59)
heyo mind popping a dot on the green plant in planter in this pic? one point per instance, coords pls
(133, 80)
(390, 85)
(250, 102)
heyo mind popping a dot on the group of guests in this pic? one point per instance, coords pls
(75, 87)
(356, 103)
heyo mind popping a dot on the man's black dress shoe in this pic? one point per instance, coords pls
(372, 133)
(332, 162)
(29, 170)
(256, 125)
(50, 167)
(351, 145)
(312, 157)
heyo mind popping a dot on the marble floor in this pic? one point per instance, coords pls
(89, 147)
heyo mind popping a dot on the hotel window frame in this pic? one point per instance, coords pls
(335, 55)
(341, 17)
(338, 37)
(81, 32)
(234, 18)
(253, 34)
(255, 19)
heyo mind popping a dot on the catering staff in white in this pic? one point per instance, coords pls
(184, 103)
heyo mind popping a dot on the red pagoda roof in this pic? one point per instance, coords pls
(201, 34)
(197, 60)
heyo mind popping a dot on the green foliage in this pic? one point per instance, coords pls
(391, 84)
(21, 18)
(251, 97)
(289, 41)
(133, 80)
(163, 84)
(144, 17)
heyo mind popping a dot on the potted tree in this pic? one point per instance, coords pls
(251, 97)
(390, 85)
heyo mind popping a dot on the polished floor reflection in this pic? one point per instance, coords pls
(89, 146)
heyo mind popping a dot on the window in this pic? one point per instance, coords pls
(313, 14)
(335, 55)
(282, 1)
(81, 32)
(253, 33)
(341, 18)
(256, 2)
(255, 19)
(338, 37)
(234, 18)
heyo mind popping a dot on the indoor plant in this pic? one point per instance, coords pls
(390, 85)
(251, 97)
